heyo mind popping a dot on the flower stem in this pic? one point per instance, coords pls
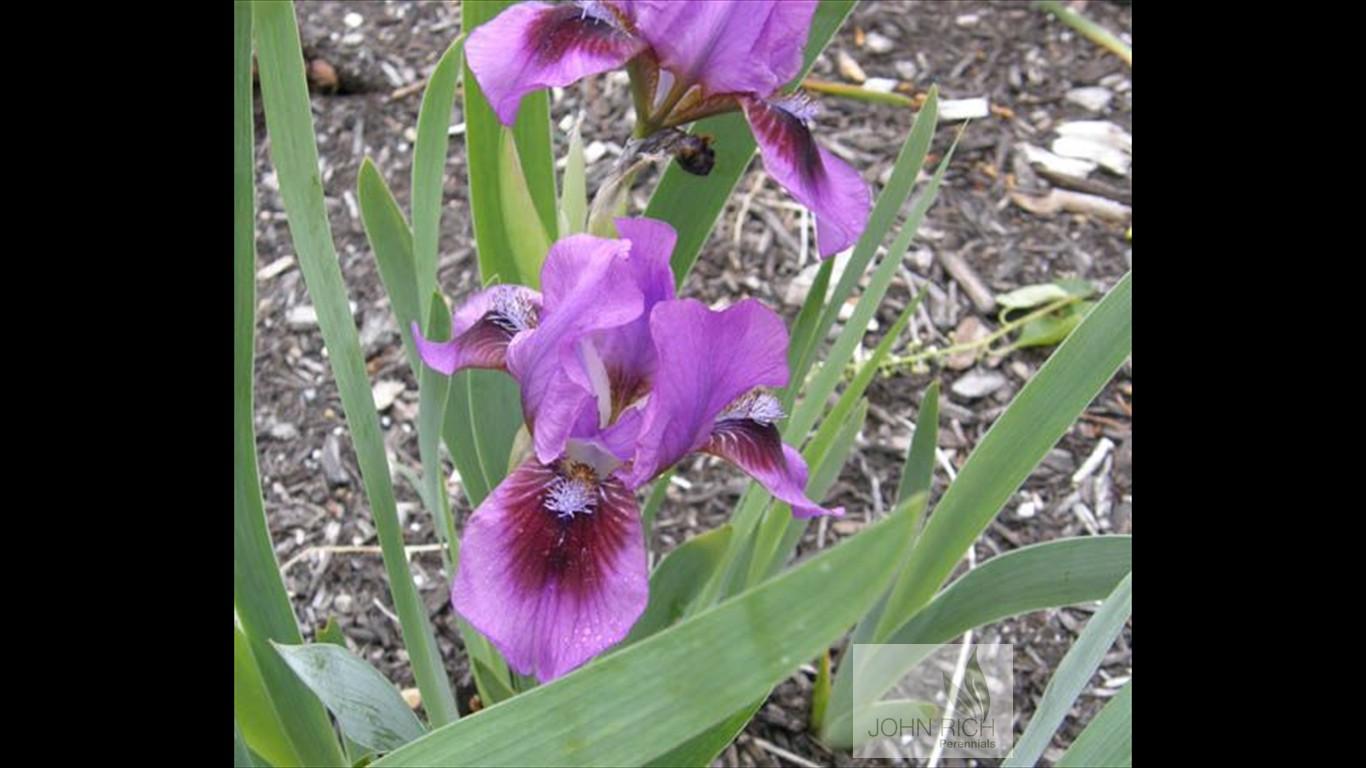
(985, 343)
(859, 92)
(676, 92)
(641, 95)
(1093, 31)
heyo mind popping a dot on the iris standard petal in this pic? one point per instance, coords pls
(535, 45)
(552, 567)
(727, 47)
(707, 360)
(827, 185)
(481, 329)
(588, 288)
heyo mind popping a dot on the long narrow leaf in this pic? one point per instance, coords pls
(1015, 444)
(254, 712)
(780, 532)
(241, 758)
(889, 202)
(429, 166)
(392, 241)
(825, 380)
(637, 705)
(433, 390)
(366, 705)
(290, 123)
(804, 330)
(1072, 675)
(703, 748)
(574, 192)
(1109, 739)
(527, 238)
(675, 584)
(918, 473)
(1032, 578)
(258, 592)
(482, 139)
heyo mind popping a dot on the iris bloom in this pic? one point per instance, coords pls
(689, 59)
(620, 380)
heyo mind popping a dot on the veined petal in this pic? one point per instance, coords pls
(727, 47)
(706, 361)
(537, 45)
(552, 567)
(745, 435)
(589, 288)
(482, 329)
(626, 352)
(822, 182)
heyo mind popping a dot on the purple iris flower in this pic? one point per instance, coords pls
(690, 59)
(620, 380)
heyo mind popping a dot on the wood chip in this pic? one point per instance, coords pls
(962, 272)
(849, 68)
(385, 392)
(1058, 200)
(1054, 163)
(969, 330)
(964, 109)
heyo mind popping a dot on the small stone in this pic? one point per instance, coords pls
(970, 330)
(283, 431)
(353, 20)
(344, 603)
(594, 152)
(878, 42)
(1093, 98)
(412, 697)
(275, 268)
(301, 317)
(849, 68)
(964, 109)
(353, 38)
(305, 316)
(906, 70)
(385, 392)
(333, 470)
(978, 383)
(880, 84)
(847, 527)
(967, 20)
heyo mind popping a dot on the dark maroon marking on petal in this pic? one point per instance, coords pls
(594, 28)
(792, 137)
(485, 343)
(559, 551)
(755, 445)
(627, 387)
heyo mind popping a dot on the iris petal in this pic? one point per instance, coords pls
(589, 288)
(534, 45)
(727, 47)
(706, 361)
(482, 329)
(756, 447)
(553, 568)
(827, 185)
